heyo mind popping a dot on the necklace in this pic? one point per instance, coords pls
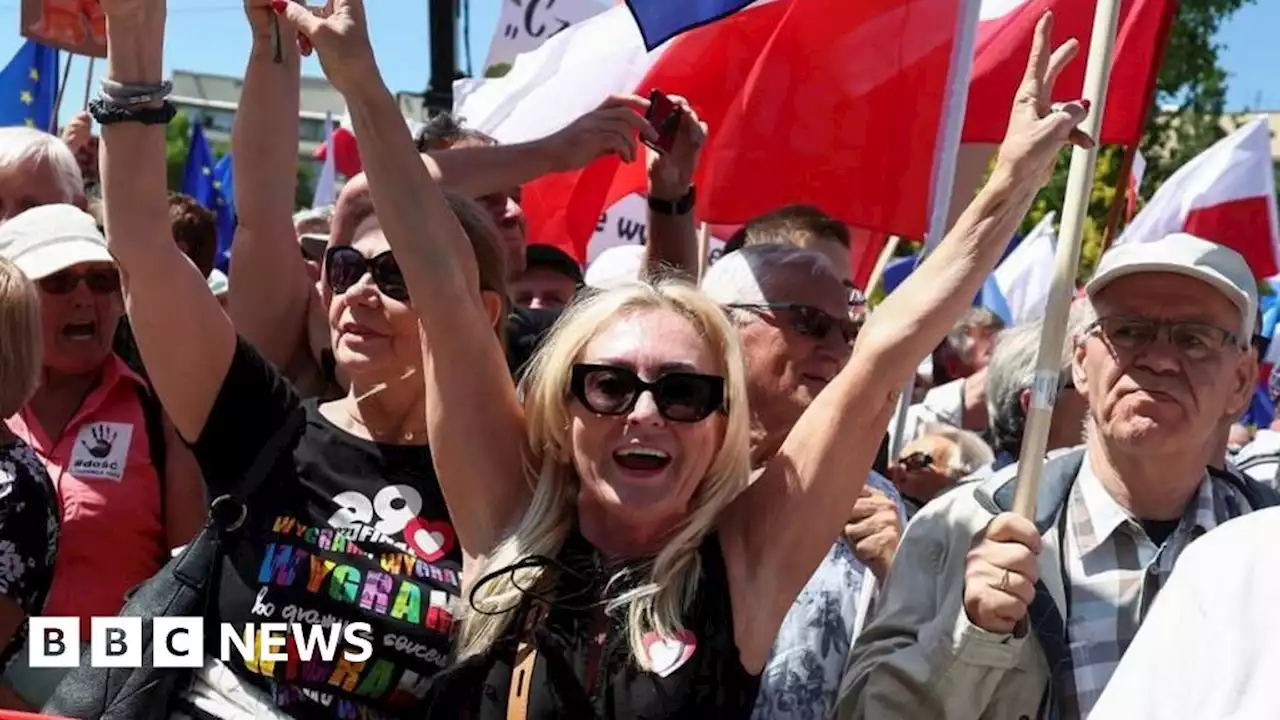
(410, 436)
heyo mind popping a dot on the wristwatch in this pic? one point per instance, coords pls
(683, 206)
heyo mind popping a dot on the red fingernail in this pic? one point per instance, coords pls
(1085, 102)
(278, 6)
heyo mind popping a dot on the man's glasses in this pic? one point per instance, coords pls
(807, 320)
(313, 246)
(103, 281)
(344, 266)
(916, 461)
(1194, 340)
(680, 396)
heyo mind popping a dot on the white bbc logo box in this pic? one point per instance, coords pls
(116, 642)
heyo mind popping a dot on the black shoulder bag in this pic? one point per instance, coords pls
(187, 585)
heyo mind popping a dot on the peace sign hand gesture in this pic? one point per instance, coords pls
(1037, 128)
(340, 36)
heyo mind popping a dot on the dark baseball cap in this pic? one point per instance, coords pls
(553, 258)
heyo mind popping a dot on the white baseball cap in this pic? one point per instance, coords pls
(615, 267)
(49, 238)
(1188, 255)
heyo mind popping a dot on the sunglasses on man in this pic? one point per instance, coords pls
(806, 319)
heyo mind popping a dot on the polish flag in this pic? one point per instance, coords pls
(346, 154)
(1136, 174)
(830, 103)
(1226, 194)
(1005, 31)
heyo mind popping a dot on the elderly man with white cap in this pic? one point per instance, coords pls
(989, 614)
(119, 469)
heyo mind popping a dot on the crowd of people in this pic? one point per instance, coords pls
(636, 490)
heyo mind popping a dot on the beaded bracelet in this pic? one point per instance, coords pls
(130, 94)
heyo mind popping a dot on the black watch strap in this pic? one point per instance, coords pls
(683, 206)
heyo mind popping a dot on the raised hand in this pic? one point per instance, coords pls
(610, 128)
(1038, 129)
(671, 174)
(79, 132)
(339, 34)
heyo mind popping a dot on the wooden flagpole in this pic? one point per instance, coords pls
(1074, 214)
(62, 90)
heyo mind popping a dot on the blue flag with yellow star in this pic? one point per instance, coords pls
(206, 182)
(29, 87)
(224, 183)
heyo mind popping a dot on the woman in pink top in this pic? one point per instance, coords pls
(95, 428)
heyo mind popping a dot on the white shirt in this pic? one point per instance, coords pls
(1209, 649)
(941, 405)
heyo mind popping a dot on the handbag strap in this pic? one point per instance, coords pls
(237, 497)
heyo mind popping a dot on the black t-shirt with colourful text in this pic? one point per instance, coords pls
(345, 530)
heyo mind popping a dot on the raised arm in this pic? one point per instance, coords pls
(475, 423)
(780, 528)
(269, 298)
(673, 236)
(185, 339)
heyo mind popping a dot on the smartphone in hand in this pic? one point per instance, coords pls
(664, 115)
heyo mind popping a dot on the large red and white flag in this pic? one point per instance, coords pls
(832, 103)
(1226, 194)
(1005, 31)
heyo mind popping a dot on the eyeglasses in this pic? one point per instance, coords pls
(1194, 340)
(344, 266)
(102, 281)
(680, 396)
(916, 461)
(807, 320)
(313, 246)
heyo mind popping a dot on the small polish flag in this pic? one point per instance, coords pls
(1226, 194)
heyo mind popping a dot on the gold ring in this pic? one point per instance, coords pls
(1004, 581)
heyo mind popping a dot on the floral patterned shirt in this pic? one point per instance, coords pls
(803, 673)
(28, 535)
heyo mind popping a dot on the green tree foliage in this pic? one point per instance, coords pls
(1185, 120)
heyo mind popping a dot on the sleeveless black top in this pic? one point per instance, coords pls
(584, 667)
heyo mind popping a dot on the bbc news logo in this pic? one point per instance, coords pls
(179, 642)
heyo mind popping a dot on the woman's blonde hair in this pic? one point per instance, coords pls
(20, 363)
(659, 603)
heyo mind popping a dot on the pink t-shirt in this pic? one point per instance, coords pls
(112, 535)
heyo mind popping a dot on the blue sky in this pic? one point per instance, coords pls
(211, 36)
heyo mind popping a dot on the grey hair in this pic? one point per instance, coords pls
(972, 453)
(748, 275)
(21, 145)
(958, 341)
(1012, 369)
(323, 214)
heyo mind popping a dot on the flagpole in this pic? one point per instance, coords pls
(704, 249)
(886, 254)
(57, 101)
(88, 84)
(1075, 211)
(944, 174)
(1119, 200)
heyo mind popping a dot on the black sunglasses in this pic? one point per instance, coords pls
(344, 266)
(680, 396)
(313, 246)
(100, 281)
(807, 320)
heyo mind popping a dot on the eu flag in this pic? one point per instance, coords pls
(224, 183)
(29, 87)
(206, 183)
